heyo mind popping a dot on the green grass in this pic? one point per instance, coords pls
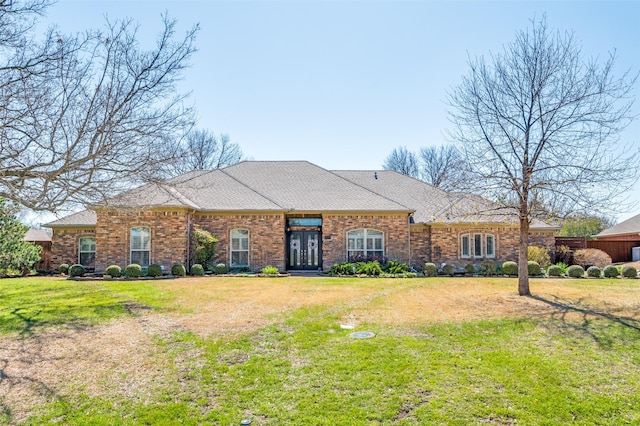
(30, 303)
(306, 370)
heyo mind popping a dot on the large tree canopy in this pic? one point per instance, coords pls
(83, 116)
(540, 124)
(15, 253)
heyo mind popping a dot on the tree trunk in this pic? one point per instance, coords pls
(523, 262)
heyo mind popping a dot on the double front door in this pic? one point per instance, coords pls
(304, 251)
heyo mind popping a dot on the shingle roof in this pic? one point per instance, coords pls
(81, 218)
(300, 186)
(37, 235)
(629, 226)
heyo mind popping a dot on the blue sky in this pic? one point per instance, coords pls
(341, 83)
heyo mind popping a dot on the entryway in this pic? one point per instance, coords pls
(304, 251)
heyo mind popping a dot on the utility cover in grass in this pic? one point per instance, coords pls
(362, 335)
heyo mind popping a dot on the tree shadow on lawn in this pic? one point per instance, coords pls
(579, 317)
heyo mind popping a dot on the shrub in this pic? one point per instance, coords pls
(154, 270)
(448, 270)
(534, 268)
(591, 257)
(113, 271)
(395, 267)
(575, 271)
(345, 268)
(221, 269)
(510, 268)
(197, 269)
(205, 246)
(63, 268)
(76, 270)
(563, 267)
(540, 255)
(430, 270)
(629, 272)
(133, 270)
(554, 271)
(594, 272)
(564, 254)
(469, 269)
(610, 271)
(488, 268)
(178, 270)
(270, 270)
(371, 269)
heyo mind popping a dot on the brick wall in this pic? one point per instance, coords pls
(335, 228)
(64, 244)
(266, 236)
(169, 237)
(421, 246)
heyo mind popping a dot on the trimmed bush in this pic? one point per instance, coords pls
(610, 271)
(540, 255)
(154, 270)
(629, 272)
(554, 271)
(197, 269)
(510, 268)
(448, 270)
(220, 269)
(63, 268)
(178, 270)
(488, 268)
(113, 271)
(469, 269)
(270, 270)
(76, 270)
(133, 270)
(534, 268)
(591, 257)
(575, 271)
(430, 270)
(594, 272)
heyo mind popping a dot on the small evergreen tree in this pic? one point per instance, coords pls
(205, 248)
(15, 253)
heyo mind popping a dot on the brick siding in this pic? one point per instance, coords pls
(64, 244)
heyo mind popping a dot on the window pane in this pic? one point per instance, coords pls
(465, 246)
(87, 244)
(490, 246)
(88, 259)
(372, 233)
(477, 246)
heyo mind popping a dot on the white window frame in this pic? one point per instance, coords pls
(492, 254)
(143, 247)
(81, 251)
(467, 254)
(240, 235)
(360, 243)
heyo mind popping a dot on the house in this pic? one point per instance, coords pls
(293, 215)
(619, 240)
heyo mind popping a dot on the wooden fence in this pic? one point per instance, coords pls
(620, 251)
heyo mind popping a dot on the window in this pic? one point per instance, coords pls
(240, 247)
(477, 245)
(465, 245)
(365, 244)
(141, 245)
(490, 245)
(87, 252)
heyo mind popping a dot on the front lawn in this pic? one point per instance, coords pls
(275, 351)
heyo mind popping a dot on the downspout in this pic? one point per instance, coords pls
(409, 231)
(187, 267)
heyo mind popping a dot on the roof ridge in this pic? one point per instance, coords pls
(250, 188)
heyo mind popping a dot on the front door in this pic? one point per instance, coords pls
(304, 251)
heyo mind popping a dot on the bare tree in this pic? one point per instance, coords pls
(443, 167)
(203, 150)
(403, 161)
(540, 126)
(84, 116)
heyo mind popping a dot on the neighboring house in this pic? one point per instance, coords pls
(293, 215)
(43, 239)
(619, 240)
